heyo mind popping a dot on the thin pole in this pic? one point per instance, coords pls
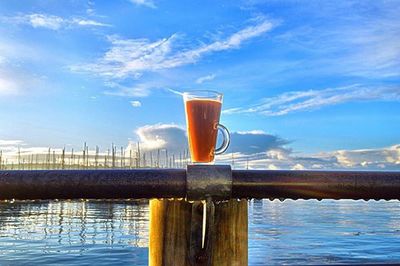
(63, 158)
(138, 154)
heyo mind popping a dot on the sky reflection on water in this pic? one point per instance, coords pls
(116, 232)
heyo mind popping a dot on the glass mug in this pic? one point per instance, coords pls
(203, 109)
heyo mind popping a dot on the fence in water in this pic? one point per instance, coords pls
(114, 157)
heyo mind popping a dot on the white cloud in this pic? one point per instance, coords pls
(298, 166)
(147, 3)
(45, 21)
(131, 57)
(253, 132)
(52, 22)
(368, 157)
(88, 22)
(276, 155)
(136, 103)
(10, 148)
(138, 90)
(13, 151)
(90, 8)
(205, 78)
(257, 150)
(173, 137)
(161, 136)
(256, 141)
(232, 42)
(5, 142)
(297, 101)
(386, 158)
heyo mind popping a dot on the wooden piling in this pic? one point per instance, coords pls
(170, 222)
(231, 238)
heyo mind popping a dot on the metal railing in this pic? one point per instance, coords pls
(202, 231)
(172, 183)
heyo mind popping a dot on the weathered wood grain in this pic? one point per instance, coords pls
(170, 233)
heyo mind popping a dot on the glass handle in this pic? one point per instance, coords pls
(226, 140)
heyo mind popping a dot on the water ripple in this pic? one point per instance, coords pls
(116, 232)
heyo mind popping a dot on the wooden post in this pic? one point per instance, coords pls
(169, 232)
(231, 228)
(169, 242)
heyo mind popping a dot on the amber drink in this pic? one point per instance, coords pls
(203, 110)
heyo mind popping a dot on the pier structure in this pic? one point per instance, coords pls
(198, 215)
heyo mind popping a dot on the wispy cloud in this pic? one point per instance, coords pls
(12, 51)
(10, 148)
(147, 3)
(205, 78)
(90, 8)
(132, 57)
(136, 104)
(52, 22)
(137, 90)
(8, 86)
(298, 101)
(43, 21)
(232, 42)
(15, 82)
(350, 38)
(88, 22)
(15, 78)
(12, 142)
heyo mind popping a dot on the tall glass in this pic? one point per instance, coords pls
(203, 109)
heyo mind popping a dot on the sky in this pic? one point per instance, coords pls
(306, 84)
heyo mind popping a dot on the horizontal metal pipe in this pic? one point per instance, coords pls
(93, 184)
(171, 183)
(316, 184)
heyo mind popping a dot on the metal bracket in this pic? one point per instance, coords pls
(204, 184)
(208, 182)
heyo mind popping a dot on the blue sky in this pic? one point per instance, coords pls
(316, 76)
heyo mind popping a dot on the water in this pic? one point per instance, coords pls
(74, 233)
(325, 232)
(116, 232)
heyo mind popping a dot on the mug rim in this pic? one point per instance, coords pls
(197, 93)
